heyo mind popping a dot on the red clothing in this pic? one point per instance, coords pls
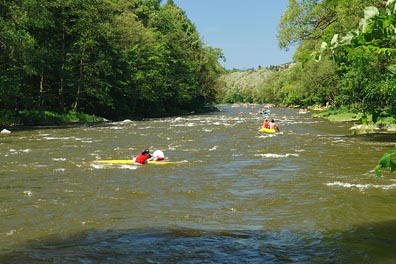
(159, 158)
(141, 158)
(266, 124)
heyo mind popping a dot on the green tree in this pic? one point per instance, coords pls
(316, 20)
(307, 23)
(365, 57)
(388, 161)
(113, 58)
(17, 48)
(193, 67)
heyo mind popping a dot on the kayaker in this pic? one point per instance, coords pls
(158, 155)
(266, 123)
(143, 156)
(273, 125)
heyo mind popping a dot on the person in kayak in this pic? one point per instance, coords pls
(143, 156)
(273, 125)
(266, 124)
(158, 155)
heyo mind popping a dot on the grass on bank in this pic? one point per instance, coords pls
(362, 123)
(43, 118)
(339, 114)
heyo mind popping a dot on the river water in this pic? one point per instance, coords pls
(306, 195)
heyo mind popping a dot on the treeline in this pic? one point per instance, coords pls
(111, 58)
(246, 86)
(345, 56)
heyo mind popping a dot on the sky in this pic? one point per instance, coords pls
(244, 30)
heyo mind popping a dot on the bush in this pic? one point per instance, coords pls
(43, 118)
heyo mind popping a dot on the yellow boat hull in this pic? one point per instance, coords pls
(267, 130)
(132, 162)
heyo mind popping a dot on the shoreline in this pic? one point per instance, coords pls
(382, 126)
(45, 119)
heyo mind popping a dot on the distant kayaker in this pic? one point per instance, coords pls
(273, 125)
(143, 156)
(266, 123)
(158, 155)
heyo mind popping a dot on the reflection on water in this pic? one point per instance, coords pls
(307, 194)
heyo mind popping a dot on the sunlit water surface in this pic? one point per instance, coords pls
(305, 195)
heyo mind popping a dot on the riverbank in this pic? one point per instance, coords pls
(11, 119)
(360, 124)
(17, 119)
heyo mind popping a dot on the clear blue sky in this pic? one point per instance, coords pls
(244, 30)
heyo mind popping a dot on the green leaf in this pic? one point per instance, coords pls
(378, 171)
(334, 40)
(385, 161)
(392, 166)
(389, 2)
(348, 37)
(391, 68)
(369, 13)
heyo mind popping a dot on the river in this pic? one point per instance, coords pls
(305, 195)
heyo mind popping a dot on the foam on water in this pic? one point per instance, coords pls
(291, 189)
(20, 151)
(277, 156)
(361, 186)
(114, 166)
(58, 159)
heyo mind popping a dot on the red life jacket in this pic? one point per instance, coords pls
(141, 158)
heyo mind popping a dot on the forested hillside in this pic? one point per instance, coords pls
(111, 58)
(253, 85)
(345, 56)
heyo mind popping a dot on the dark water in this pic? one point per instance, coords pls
(306, 195)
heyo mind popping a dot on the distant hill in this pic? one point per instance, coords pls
(243, 85)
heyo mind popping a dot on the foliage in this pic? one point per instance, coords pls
(365, 58)
(340, 114)
(353, 71)
(244, 86)
(388, 161)
(27, 118)
(358, 78)
(296, 22)
(111, 58)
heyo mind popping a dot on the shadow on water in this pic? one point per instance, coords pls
(379, 137)
(376, 137)
(367, 243)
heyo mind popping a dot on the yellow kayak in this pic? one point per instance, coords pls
(267, 130)
(132, 162)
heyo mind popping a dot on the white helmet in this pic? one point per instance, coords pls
(158, 154)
